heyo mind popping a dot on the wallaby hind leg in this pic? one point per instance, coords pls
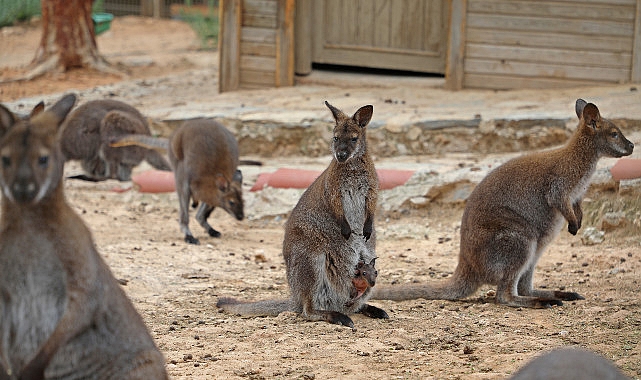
(526, 288)
(373, 312)
(204, 210)
(184, 193)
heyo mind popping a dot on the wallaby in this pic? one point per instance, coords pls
(204, 155)
(63, 314)
(569, 364)
(86, 135)
(516, 211)
(364, 278)
(329, 231)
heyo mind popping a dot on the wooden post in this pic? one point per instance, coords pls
(303, 37)
(229, 45)
(635, 72)
(454, 70)
(285, 43)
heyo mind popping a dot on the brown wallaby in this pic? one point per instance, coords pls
(364, 278)
(329, 232)
(204, 155)
(569, 364)
(87, 132)
(63, 314)
(516, 211)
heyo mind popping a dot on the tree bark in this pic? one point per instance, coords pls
(68, 39)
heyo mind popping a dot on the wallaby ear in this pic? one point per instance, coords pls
(238, 176)
(578, 107)
(591, 115)
(338, 114)
(62, 107)
(37, 109)
(363, 115)
(373, 262)
(222, 183)
(7, 120)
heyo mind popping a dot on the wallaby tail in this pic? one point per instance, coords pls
(259, 308)
(456, 287)
(157, 160)
(145, 141)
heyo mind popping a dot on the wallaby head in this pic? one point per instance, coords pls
(607, 137)
(32, 163)
(349, 133)
(231, 194)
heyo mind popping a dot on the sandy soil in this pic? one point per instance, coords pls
(175, 285)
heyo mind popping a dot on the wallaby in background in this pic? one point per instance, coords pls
(63, 314)
(569, 364)
(204, 155)
(364, 278)
(516, 211)
(329, 232)
(88, 130)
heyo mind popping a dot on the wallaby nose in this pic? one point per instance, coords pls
(341, 156)
(24, 191)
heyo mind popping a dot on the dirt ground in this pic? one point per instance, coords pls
(175, 286)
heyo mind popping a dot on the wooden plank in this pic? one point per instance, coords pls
(260, 35)
(261, 7)
(558, 25)
(303, 37)
(456, 46)
(507, 82)
(285, 44)
(635, 72)
(254, 48)
(550, 40)
(259, 21)
(545, 55)
(257, 78)
(529, 69)
(556, 9)
(256, 63)
(229, 42)
(381, 16)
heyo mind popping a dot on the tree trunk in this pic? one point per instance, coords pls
(68, 38)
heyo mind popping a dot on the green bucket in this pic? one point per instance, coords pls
(101, 22)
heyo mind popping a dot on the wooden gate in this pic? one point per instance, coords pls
(389, 34)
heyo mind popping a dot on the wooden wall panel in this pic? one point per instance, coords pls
(522, 43)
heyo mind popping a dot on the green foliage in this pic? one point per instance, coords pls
(12, 11)
(205, 25)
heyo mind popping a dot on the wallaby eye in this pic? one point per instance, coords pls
(335, 138)
(614, 134)
(6, 161)
(43, 160)
(354, 139)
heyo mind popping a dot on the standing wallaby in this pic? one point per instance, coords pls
(329, 231)
(569, 364)
(204, 155)
(516, 211)
(62, 313)
(87, 132)
(364, 278)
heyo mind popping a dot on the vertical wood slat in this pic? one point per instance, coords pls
(635, 72)
(303, 37)
(456, 45)
(285, 44)
(229, 45)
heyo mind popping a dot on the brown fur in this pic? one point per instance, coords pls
(328, 232)
(88, 131)
(569, 364)
(62, 313)
(204, 155)
(516, 211)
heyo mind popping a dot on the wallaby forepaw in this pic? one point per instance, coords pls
(367, 234)
(213, 233)
(573, 228)
(191, 240)
(373, 312)
(346, 230)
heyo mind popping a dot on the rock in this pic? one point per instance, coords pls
(613, 220)
(592, 236)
